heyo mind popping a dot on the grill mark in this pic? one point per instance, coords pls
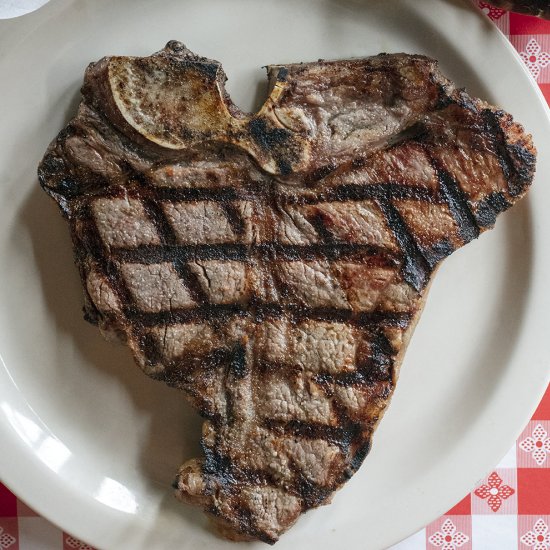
(359, 443)
(202, 313)
(318, 223)
(341, 436)
(353, 192)
(182, 376)
(235, 370)
(311, 493)
(221, 194)
(151, 254)
(93, 245)
(191, 282)
(148, 346)
(260, 311)
(231, 472)
(415, 132)
(518, 175)
(457, 202)
(222, 472)
(218, 466)
(416, 269)
(319, 173)
(234, 218)
(377, 366)
(156, 215)
(317, 220)
(340, 193)
(237, 364)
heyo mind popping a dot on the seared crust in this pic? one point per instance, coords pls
(273, 266)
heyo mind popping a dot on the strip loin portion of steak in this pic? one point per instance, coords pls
(273, 266)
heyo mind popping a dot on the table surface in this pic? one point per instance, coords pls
(508, 509)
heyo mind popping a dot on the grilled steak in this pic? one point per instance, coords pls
(540, 8)
(273, 266)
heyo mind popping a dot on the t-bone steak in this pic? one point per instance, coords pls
(273, 265)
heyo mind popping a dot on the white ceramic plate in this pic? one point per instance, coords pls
(92, 444)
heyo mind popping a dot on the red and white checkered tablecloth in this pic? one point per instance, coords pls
(509, 509)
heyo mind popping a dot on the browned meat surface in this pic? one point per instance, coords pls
(273, 266)
(540, 8)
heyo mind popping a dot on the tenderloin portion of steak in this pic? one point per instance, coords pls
(273, 266)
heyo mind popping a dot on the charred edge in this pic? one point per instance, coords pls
(191, 282)
(191, 61)
(52, 167)
(311, 493)
(208, 69)
(151, 254)
(374, 318)
(358, 459)
(336, 435)
(240, 521)
(282, 74)
(67, 187)
(234, 218)
(344, 193)
(444, 99)
(466, 102)
(439, 251)
(246, 525)
(416, 269)
(516, 162)
(457, 202)
(381, 350)
(489, 208)
(148, 346)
